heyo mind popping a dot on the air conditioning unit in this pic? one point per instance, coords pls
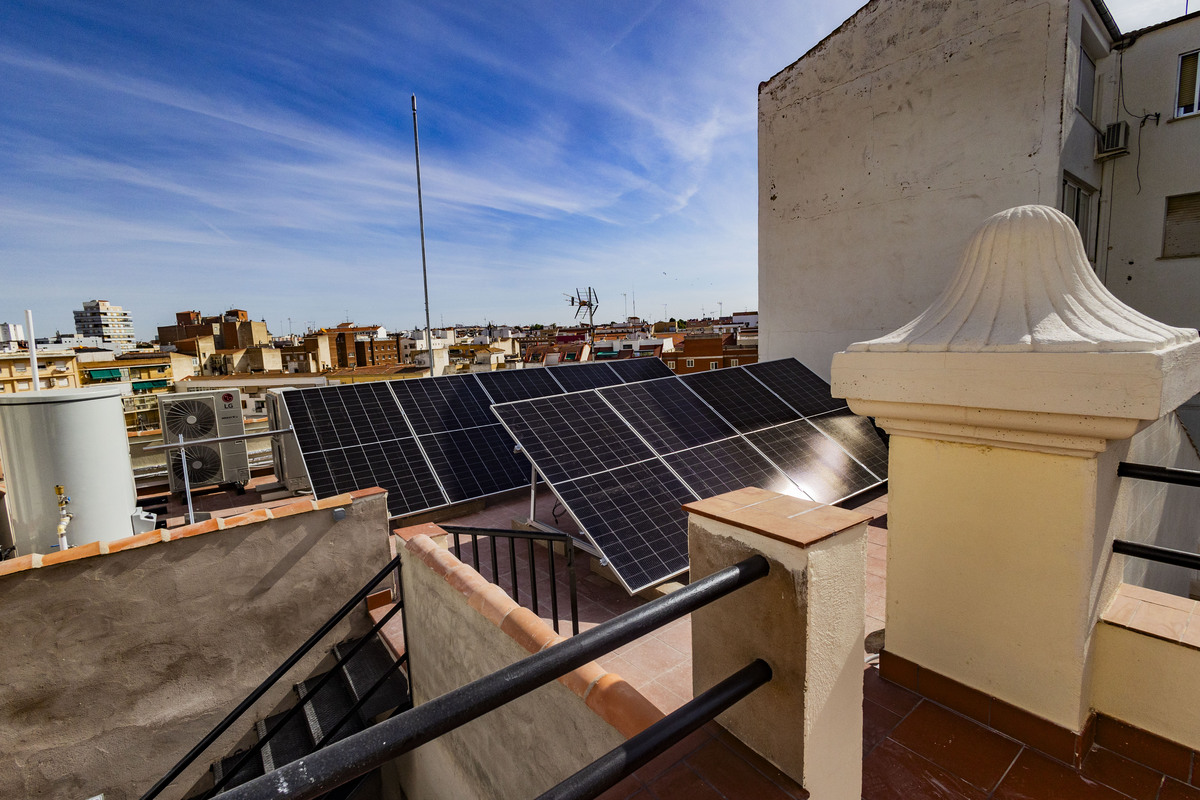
(285, 452)
(205, 415)
(1114, 141)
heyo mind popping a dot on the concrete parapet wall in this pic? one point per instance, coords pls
(460, 628)
(119, 660)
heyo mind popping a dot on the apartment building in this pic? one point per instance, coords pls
(111, 323)
(56, 370)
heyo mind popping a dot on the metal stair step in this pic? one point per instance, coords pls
(362, 671)
(323, 710)
(252, 769)
(293, 741)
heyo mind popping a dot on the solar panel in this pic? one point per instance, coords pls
(858, 436)
(816, 463)
(713, 469)
(799, 386)
(741, 400)
(667, 414)
(475, 462)
(708, 433)
(640, 369)
(572, 435)
(441, 404)
(344, 416)
(520, 384)
(634, 516)
(577, 377)
(397, 466)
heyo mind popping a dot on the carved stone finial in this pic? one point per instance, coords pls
(1025, 285)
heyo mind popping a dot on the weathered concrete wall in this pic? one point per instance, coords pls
(116, 665)
(517, 751)
(883, 147)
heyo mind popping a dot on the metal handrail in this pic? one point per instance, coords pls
(530, 537)
(1161, 555)
(360, 753)
(627, 757)
(270, 681)
(1149, 472)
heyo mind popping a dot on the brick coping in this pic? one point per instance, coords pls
(91, 549)
(1157, 614)
(607, 694)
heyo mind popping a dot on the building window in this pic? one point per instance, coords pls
(1181, 230)
(714, 365)
(671, 365)
(1187, 98)
(1086, 93)
(21, 366)
(733, 362)
(1077, 202)
(691, 362)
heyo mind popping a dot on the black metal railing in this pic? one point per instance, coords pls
(1148, 472)
(280, 671)
(1161, 555)
(491, 535)
(362, 752)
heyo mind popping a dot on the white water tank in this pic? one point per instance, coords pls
(74, 438)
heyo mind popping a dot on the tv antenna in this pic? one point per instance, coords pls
(585, 300)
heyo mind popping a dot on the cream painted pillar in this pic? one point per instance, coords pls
(805, 619)
(1001, 400)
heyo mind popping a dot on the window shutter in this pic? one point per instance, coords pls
(1186, 101)
(1181, 231)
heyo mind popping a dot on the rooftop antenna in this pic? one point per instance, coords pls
(421, 217)
(587, 301)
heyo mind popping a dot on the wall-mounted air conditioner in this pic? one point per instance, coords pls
(1114, 141)
(205, 415)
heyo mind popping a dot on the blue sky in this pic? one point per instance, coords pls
(167, 156)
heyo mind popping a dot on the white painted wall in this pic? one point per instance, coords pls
(1166, 289)
(882, 150)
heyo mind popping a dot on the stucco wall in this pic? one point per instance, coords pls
(517, 751)
(116, 665)
(882, 149)
(1168, 164)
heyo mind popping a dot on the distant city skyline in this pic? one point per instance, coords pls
(259, 155)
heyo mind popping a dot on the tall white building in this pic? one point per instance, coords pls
(101, 318)
(10, 334)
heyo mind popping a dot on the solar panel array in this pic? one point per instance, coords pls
(430, 442)
(624, 458)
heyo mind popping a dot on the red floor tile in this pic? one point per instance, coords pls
(1037, 777)
(878, 722)
(681, 781)
(894, 698)
(893, 772)
(963, 747)
(1137, 781)
(732, 776)
(1174, 790)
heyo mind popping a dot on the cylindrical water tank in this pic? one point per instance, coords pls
(74, 438)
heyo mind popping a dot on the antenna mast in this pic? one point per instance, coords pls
(421, 217)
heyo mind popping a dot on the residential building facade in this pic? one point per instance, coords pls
(111, 323)
(877, 160)
(56, 370)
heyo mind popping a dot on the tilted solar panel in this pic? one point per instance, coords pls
(797, 385)
(632, 514)
(667, 414)
(475, 462)
(577, 377)
(640, 369)
(571, 435)
(817, 464)
(505, 386)
(743, 401)
(447, 403)
(858, 436)
(730, 464)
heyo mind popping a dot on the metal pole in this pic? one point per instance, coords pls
(32, 342)
(532, 493)
(187, 483)
(421, 217)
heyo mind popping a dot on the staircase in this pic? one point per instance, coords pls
(327, 714)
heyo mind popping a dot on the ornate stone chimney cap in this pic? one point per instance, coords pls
(1025, 285)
